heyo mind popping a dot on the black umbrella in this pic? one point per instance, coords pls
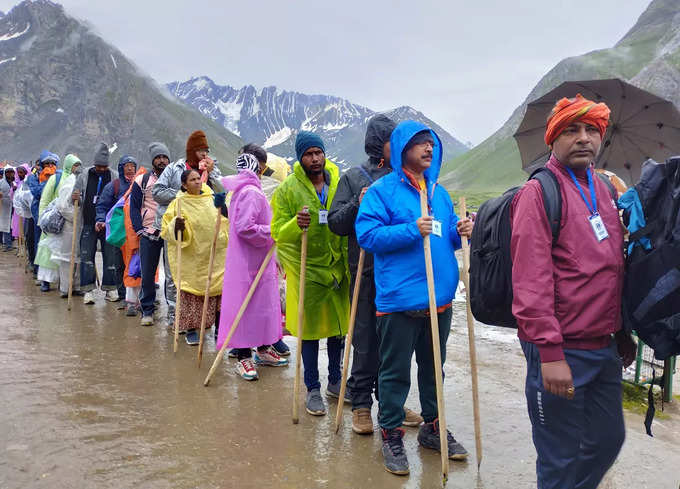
(641, 126)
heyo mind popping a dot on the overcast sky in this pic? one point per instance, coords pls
(465, 64)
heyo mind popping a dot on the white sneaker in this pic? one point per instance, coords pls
(112, 296)
(246, 369)
(270, 357)
(147, 321)
(88, 298)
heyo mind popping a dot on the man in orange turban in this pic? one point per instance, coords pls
(567, 303)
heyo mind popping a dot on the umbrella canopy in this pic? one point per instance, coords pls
(641, 126)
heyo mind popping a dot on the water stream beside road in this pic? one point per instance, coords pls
(90, 399)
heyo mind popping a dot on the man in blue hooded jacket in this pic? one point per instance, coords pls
(389, 225)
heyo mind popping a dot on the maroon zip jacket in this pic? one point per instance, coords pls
(567, 295)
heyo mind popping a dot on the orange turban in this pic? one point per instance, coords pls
(567, 111)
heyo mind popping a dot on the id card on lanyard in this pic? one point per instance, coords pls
(595, 219)
(96, 195)
(323, 197)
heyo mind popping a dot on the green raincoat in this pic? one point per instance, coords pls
(50, 192)
(327, 275)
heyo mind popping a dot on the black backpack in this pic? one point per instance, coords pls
(490, 261)
(651, 292)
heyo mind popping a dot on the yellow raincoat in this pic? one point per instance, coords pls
(199, 215)
(327, 276)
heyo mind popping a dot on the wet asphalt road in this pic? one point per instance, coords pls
(90, 399)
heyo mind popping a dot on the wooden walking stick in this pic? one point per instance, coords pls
(471, 340)
(348, 340)
(178, 283)
(73, 254)
(300, 324)
(22, 251)
(436, 347)
(239, 315)
(206, 297)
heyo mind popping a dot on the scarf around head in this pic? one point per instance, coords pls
(246, 161)
(46, 173)
(567, 111)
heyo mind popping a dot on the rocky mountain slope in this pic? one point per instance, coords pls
(272, 117)
(648, 56)
(66, 89)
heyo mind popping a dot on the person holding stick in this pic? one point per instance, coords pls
(197, 226)
(351, 189)
(313, 184)
(390, 225)
(249, 241)
(166, 188)
(60, 244)
(567, 302)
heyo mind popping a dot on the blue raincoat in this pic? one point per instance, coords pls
(386, 226)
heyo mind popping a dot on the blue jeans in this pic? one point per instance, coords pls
(399, 337)
(576, 440)
(7, 239)
(150, 254)
(110, 256)
(310, 360)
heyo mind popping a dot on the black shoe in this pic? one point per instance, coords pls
(281, 348)
(394, 455)
(428, 437)
(45, 286)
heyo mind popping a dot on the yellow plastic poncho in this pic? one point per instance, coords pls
(199, 215)
(327, 275)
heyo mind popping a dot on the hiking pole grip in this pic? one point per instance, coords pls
(72, 264)
(348, 340)
(178, 282)
(300, 324)
(239, 315)
(471, 339)
(206, 297)
(436, 347)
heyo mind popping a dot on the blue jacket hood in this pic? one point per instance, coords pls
(121, 164)
(48, 156)
(401, 135)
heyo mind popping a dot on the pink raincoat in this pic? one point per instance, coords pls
(18, 183)
(249, 241)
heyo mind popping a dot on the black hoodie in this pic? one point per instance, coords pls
(343, 211)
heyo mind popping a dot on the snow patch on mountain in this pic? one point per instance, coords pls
(279, 137)
(113, 60)
(232, 114)
(13, 58)
(11, 35)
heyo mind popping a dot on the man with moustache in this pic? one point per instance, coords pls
(390, 226)
(567, 302)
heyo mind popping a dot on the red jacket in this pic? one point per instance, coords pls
(567, 295)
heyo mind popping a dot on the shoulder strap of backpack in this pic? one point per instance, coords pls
(145, 180)
(116, 188)
(552, 199)
(363, 170)
(612, 190)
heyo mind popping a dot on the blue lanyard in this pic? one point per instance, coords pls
(591, 186)
(99, 185)
(323, 195)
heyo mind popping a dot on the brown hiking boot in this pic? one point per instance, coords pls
(362, 423)
(411, 418)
